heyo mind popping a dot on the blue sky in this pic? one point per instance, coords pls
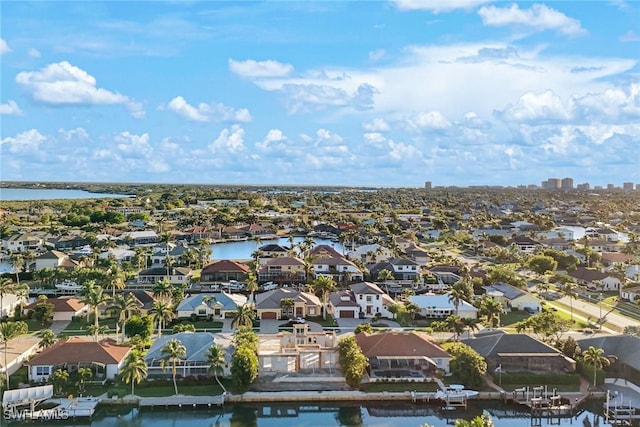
(458, 92)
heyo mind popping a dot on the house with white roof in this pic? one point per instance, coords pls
(511, 297)
(211, 305)
(369, 254)
(439, 306)
(194, 363)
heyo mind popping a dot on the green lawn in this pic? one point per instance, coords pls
(513, 317)
(201, 324)
(78, 326)
(159, 388)
(35, 325)
(378, 387)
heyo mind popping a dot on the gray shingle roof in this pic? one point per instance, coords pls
(488, 345)
(625, 347)
(196, 343)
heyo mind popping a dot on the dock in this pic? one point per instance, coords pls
(181, 401)
(543, 402)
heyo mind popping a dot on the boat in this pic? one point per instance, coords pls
(454, 391)
(68, 286)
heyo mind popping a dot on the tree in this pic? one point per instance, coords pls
(542, 264)
(172, 352)
(43, 310)
(47, 338)
(183, 327)
(352, 362)
(595, 358)
(384, 276)
(501, 274)
(467, 364)
(124, 306)
(163, 290)
(139, 326)
(483, 420)
(8, 331)
(490, 309)
(162, 313)
(83, 375)
(244, 367)
(94, 296)
(215, 359)
(252, 285)
(18, 262)
(134, 370)
(59, 378)
(286, 305)
(363, 327)
(6, 287)
(456, 296)
(569, 291)
(115, 279)
(243, 317)
(324, 285)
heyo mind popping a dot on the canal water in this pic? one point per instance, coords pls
(26, 194)
(328, 414)
(245, 248)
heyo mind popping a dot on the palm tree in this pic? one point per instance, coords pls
(124, 307)
(286, 305)
(163, 290)
(324, 285)
(18, 262)
(94, 296)
(594, 357)
(491, 309)
(115, 279)
(215, 358)
(569, 291)
(456, 296)
(384, 276)
(47, 338)
(134, 370)
(173, 351)
(252, 285)
(6, 287)
(161, 312)
(8, 331)
(244, 317)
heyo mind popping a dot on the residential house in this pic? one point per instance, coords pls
(224, 271)
(372, 300)
(196, 233)
(272, 250)
(519, 353)
(21, 242)
(601, 245)
(144, 299)
(369, 254)
(337, 267)
(343, 305)
(323, 251)
(513, 298)
(106, 358)
(254, 230)
(631, 294)
(9, 304)
(299, 351)
(595, 279)
(392, 351)
(211, 305)
(524, 243)
(140, 238)
(195, 362)
(283, 270)
(623, 351)
(446, 274)
(402, 269)
(417, 254)
(118, 255)
(441, 306)
(175, 275)
(610, 258)
(68, 242)
(269, 304)
(55, 259)
(64, 308)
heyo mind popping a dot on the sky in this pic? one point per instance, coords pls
(368, 93)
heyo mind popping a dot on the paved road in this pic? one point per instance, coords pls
(594, 310)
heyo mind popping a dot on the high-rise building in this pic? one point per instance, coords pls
(611, 187)
(627, 186)
(566, 184)
(584, 186)
(427, 185)
(552, 184)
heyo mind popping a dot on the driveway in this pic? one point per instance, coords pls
(348, 325)
(268, 326)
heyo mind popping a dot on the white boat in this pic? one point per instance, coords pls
(69, 286)
(456, 391)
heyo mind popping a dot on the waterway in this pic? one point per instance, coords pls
(27, 194)
(337, 414)
(245, 248)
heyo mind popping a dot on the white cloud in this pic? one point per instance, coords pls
(208, 112)
(629, 36)
(229, 141)
(539, 17)
(77, 133)
(532, 107)
(253, 68)
(376, 55)
(4, 47)
(65, 84)
(34, 53)
(25, 142)
(11, 109)
(131, 145)
(376, 125)
(437, 6)
(274, 136)
(433, 120)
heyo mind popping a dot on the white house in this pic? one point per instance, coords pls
(22, 242)
(54, 259)
(177, 275)
(64, 308)
(370, 254)
(339, 268)
(511, 297)
(371, 299)
(216, 305)
(9, 304)
(197, 346)
(439, 306)
(105, 357)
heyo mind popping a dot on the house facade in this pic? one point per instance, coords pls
(224, 271)
(217, 305)
(269, 304)
(440, 306)
(175, 275)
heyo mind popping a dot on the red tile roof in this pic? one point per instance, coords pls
(80, 350)
(403, 344)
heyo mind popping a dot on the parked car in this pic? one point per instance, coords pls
(268, 286)
(297, 321)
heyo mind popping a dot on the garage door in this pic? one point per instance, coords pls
(269, 315)
(346, 314)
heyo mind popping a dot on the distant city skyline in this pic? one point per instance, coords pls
(388, 94)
